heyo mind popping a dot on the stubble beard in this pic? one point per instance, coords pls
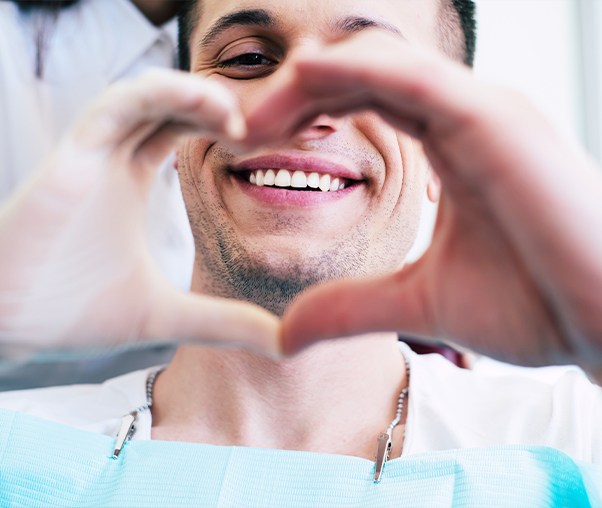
(232, 270)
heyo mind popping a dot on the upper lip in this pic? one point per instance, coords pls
(298, 162)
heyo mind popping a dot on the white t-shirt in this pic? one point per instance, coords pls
(448, 408)
(89, 46)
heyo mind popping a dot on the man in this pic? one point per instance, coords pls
(305, 171)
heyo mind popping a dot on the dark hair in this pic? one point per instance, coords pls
(186, 23)
(463, 13)
(466, 10)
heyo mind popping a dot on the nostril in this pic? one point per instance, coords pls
(319, 128)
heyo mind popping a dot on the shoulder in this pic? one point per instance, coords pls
(86, 406)
(461, 408)
(11, 28)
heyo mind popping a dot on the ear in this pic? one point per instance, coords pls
(433, 187)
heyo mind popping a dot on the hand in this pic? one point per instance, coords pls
(514, 270)
(74, 266)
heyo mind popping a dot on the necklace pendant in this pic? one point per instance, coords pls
(382, 454)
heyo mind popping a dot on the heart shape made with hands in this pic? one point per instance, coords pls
(509, 273)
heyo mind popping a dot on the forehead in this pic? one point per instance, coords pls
(416, 20)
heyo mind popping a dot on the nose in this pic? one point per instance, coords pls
(322, 127)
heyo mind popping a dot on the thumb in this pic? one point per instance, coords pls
(352, 307)
(214, 321)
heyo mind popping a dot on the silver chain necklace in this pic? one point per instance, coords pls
(384, 440)
(128, 422)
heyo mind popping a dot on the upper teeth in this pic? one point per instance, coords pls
(296, 179)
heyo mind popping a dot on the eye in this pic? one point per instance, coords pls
(245, 60)
(246, 66)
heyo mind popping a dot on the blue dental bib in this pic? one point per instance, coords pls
(47, 464)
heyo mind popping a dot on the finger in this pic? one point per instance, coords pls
(404, 81)
(130, 111)
(215, 321)
(420, 88)
(352, 307)
(288, 109)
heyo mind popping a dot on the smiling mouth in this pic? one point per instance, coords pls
(297, 180)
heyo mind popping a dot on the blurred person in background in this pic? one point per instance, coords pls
(55, 57)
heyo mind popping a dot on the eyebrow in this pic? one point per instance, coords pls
(353, 24)
(254, 17)
(261, 17)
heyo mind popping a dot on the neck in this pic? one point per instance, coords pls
(334, 398)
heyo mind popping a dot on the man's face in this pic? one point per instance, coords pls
(342, 198)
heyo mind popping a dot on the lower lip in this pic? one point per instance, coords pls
(279, 196)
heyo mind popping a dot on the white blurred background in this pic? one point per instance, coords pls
(550, 50)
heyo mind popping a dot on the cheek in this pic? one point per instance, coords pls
(390, 183)
(248, 92)
(398, 192)
(198, 158)
(190, 159)
(410, 205)
(401, 195)
(415, 179)
(193, 169)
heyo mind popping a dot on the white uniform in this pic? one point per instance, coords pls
(449, 408)
(88, 47)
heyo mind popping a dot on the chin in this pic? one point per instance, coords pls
(275, 279)
(272, 270)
